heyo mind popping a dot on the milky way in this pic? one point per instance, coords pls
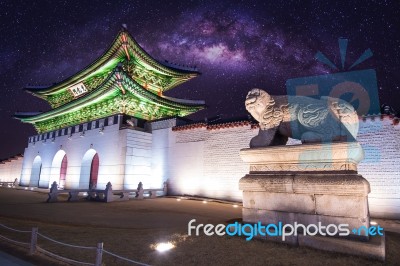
(235, 45)
(231, 41)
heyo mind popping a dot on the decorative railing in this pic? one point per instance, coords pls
(34, 247)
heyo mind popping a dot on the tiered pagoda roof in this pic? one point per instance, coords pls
(124, 80)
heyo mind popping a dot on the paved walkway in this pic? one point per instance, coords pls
(159, 213)
(30, 205)
(8, 260)
(131, 228)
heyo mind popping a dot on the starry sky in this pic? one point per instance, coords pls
(236, 45)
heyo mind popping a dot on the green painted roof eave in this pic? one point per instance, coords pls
(106, 90)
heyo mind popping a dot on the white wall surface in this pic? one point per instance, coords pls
(10, 170)
(199, 161)
(110, 145)
(380, 139)
(222, 167)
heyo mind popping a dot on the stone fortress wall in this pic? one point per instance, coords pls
(10, 169)
(195, 159)
(380, 138)
(124, 156)
(205, 161)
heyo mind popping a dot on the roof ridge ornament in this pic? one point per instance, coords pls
(125, 44)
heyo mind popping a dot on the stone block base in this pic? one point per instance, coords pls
(373, 249)
(306, 198)
(274, 217)
(313, 185)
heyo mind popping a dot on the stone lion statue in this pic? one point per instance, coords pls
(307, 119)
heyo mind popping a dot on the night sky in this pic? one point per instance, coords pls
(236, 45)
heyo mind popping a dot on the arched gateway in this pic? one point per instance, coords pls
(35, 172)
(59, 169)
(89, 169)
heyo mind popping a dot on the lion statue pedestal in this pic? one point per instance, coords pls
(315, 183)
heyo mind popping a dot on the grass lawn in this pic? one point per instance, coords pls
(132, 228)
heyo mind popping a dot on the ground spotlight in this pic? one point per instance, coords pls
(162, 247)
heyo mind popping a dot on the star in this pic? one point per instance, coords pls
(235, 45)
